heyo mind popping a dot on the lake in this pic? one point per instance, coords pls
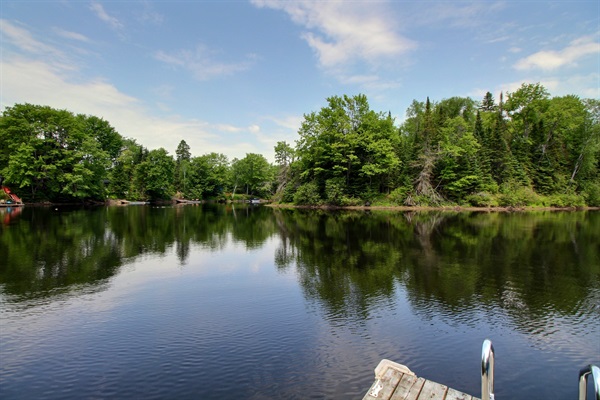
(249, 302)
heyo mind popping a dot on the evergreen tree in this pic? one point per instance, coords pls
(488, 104)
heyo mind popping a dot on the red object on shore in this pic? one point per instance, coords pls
(10, 194)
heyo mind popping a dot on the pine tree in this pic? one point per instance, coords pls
(501, 160)
(488, 103)
(483, 154)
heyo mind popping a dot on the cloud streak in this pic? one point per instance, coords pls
(32, 74)
(549, 60)
(341, 33)
(111, 21)
(201, 64)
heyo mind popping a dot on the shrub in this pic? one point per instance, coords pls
(307, 194)
(566, 200)
(398, 195)
(591, 194)
(288, 193)
(514, 195)
(351, 201)
(482, 199)
(334, 191)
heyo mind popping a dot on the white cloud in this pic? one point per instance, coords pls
(553, 59)
(71, 35)
(344, 32)
(465, 14)
(254, 129)
(35, 72)
(33, 82)
(113, 22)
(23, 41)
(148, 15)
(291, 122)
(201, 64)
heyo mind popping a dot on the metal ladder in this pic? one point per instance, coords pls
(487, 375)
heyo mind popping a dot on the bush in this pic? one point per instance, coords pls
(307, 194)
(566, 200)
(398, 195)
(482, 199)
(288, 193)
(514, 195)
(351, 201)
(334, 191)
(591, 194)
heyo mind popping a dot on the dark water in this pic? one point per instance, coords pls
(206, 302)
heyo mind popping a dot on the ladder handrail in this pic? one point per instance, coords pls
(487, 370)
(583, 374)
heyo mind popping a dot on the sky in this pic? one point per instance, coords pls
(236, 77)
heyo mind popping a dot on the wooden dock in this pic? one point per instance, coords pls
(395, 381)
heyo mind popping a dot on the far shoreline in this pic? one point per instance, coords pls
(267, 203)
(430, 208)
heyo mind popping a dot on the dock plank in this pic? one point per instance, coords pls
(404, 387)
(433, 391)
(383, 387)
(414, 392)
(454, 394)
(395, 381)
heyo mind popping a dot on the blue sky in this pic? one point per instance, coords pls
(236, 77)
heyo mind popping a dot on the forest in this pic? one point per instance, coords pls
(526, 148)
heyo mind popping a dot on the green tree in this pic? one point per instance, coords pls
(121, 178)
(108, 139)
(50, 155)
(488, 104)
(284, 157)
(459, 174)
(253, 172)
(182, 162)
(348, 141)
(154, 176)
(207, 176)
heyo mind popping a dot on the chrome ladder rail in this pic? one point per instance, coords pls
(487, 370)
(583, 374)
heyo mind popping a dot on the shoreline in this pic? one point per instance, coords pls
(430, 208)
(338, 208)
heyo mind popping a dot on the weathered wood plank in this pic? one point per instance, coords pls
(384, 386)
(415, 390)
(404, 387)
(454, 394)
(433, 391)
(395, 381)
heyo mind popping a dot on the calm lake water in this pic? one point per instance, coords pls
(207, 302)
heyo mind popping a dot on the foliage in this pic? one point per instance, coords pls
(514, 195)
(591, 194)
(307, 194)
(154, 175)
(252, 172)
(350, 143)
(482, 199)
(529, 148)
(54, 155)
(398, 195)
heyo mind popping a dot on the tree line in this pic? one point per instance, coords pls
(527, 148)
(54, 155)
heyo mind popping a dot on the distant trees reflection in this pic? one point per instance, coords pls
(449, 262)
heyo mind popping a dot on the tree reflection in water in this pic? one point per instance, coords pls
(531, 265)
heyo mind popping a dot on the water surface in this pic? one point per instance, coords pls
(250, 302)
